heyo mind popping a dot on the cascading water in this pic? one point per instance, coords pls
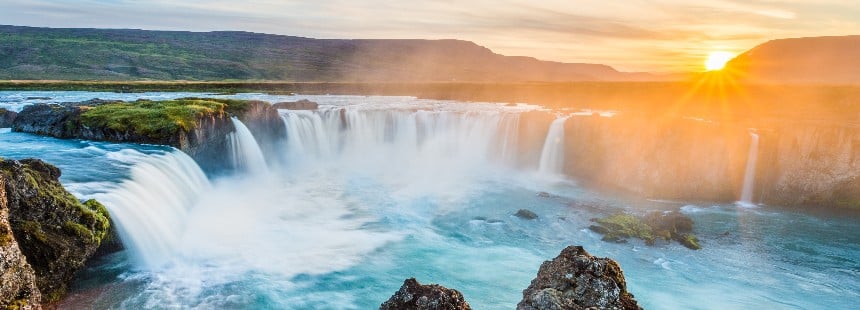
(552, 156)
(403, 138)
(749, 173)
(150, 209)
(244, 150)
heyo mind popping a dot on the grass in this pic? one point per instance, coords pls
(158, 119)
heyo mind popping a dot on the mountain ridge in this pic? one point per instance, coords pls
(132, 54)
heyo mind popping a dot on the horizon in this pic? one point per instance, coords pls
(665, 37)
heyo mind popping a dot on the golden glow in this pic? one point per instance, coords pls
(717, 60)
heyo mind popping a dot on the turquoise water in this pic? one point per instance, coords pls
(343, 232)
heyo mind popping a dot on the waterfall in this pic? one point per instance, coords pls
(552, 156)
(749, 173)
(403, 138)
(150, 209)
(244, 150)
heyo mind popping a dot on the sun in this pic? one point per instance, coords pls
(717, 60)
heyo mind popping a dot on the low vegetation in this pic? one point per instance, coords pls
(157, 118)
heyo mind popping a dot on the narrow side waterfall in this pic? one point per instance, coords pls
(552, 156)
(244, 150)
(749, 173)
(150, 210)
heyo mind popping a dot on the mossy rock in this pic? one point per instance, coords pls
(652, 226)
(55, 231)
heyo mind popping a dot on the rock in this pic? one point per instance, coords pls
(18, 288)
(263, 120)
(7, 118)
(621, 225)
(37, 98)
(56, 232)
(544, 195)
(303, 104)
(578, 280)
(414, 295)
(671, 225)
(526, 214)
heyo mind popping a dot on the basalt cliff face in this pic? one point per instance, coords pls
(54, 231)
(799, 164)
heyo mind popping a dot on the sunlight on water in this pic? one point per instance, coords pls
(372, 190)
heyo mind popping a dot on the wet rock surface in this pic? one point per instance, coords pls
(577, 280)
(7, 118)
(653, 226)
(526, 214)
(414, 295)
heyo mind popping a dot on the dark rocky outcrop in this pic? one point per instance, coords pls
(526, 214)
(416, 296)
(302, 104)
(265, 123)
(56, 232)
(17, 279)
(655, 225)
(7, 118)
(199, 129)
(578, 280)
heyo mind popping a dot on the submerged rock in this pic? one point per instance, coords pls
(526, 214)
(56, 232)
(578, 280)
(7, 118)
(672, 225)
(303, 104)
(17, 279)
(414, 295)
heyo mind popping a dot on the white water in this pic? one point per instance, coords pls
(749, 173)
(151, 209)
(552, 156)
(418, 144)
(244, 150)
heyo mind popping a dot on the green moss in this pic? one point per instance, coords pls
(690, 241)
(96, 216)
(623, 225)
(82, 231)
(34, 229)
(17, 304)
(157, 119)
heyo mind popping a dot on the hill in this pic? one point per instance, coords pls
(833, 60)
(127, 54)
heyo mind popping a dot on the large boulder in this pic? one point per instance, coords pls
(653, 226)
(55, 231)
(416, 296)
(17, 279)
(578, 280)
(7, 118)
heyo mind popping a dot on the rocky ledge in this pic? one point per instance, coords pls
(302, 104)
(7, 118)
(46, 234)
(197, 126)
(574, 280)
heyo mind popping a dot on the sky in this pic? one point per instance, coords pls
(629, 35)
